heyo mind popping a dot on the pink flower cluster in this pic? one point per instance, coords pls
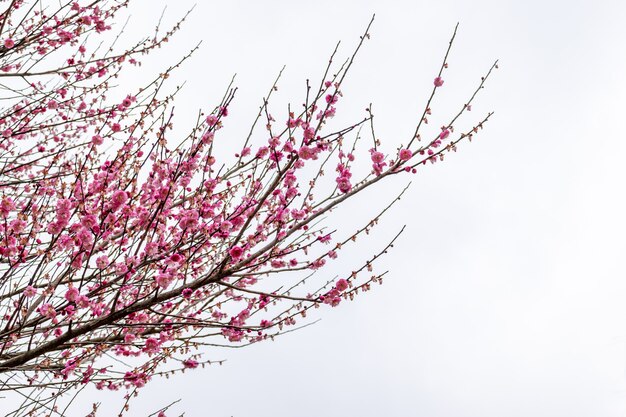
(334, 296)
(63, 215)
(378, 161)
(343, 180)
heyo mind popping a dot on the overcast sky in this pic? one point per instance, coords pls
(506, 294)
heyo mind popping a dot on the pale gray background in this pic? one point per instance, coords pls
(506, 294)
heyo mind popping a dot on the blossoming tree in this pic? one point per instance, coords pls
(118, 241)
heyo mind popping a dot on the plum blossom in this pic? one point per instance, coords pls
(405, 154)
(332, 98)
(72, 294)
(7, 205)
(190, 363)
(30, 291)
(118, 199)
(151, 345)
(212, 120)
(377, 157)
(236, 252)
(102, 262)
(47, 310)
(341, 284)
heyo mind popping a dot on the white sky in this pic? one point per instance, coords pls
(506, 293)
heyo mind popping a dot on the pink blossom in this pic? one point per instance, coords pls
(164, 279)
(69, 368)
(47, 310)
(6, 206)
(377, 157)
(298, 214)
(9, 43)
(274, 142)
(72, 294)
(344, 185)
(17, 225)
(190, 363)
(332, 297)
(293, 123)
(438, 82)
(136, 378)
(121, 268)
(98, 309)
(324, 239)
(277, 263)
(176, 258)
(208, 137)
(405, 154)
(30, 291)
(238, 222)
(102, 262)
(226, 226)
(341, 285)
(84, 237)
(262, 152)
(330, 113)
(70, 310)
(77, 262)
(189, 220)
(89, 221)
(444, 133)
(309, 133)
(151, 345)
(306, 152)
(118, 199)
(236, 252)
(211, 120)
(82, 301)
(233, 335)
(318, 263)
